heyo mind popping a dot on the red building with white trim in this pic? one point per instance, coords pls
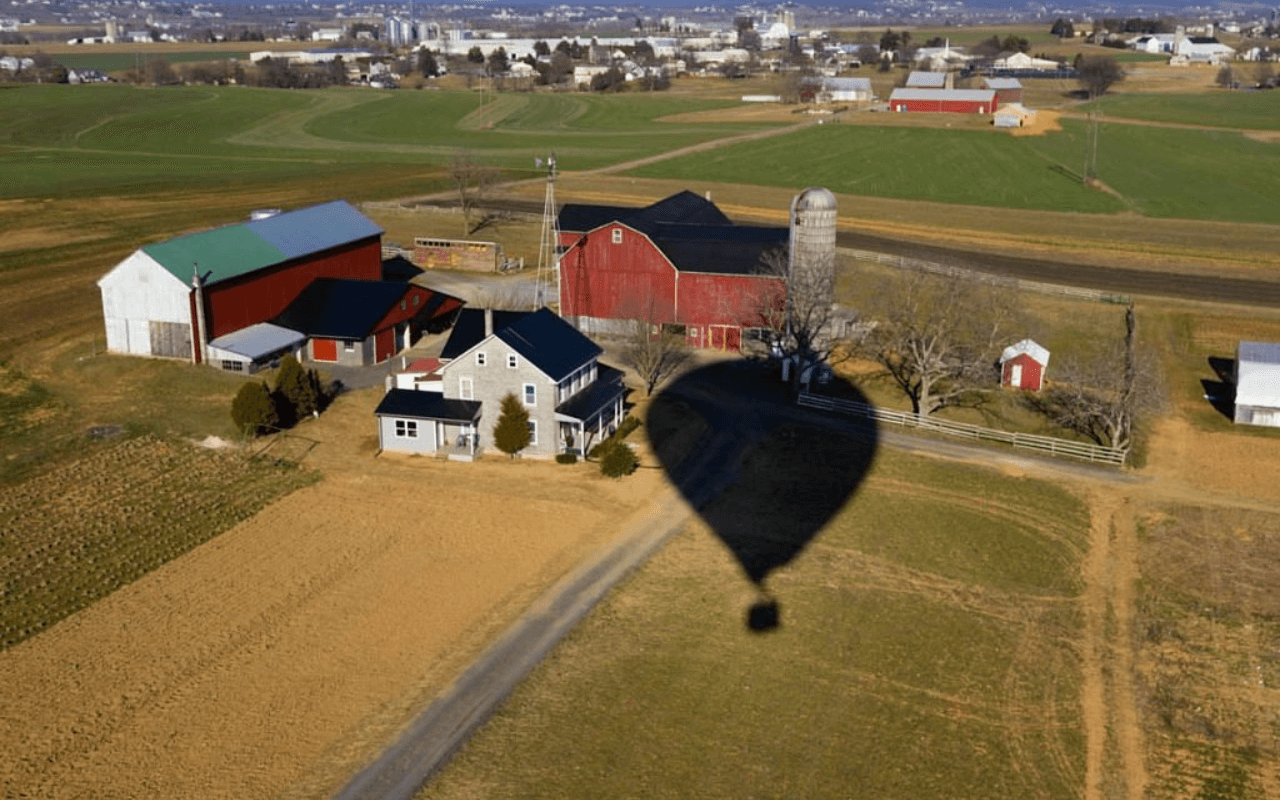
(679, 262)
(956, 101)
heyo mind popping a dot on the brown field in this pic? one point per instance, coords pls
(282, 655)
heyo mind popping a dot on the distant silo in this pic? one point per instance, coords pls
(813, 232)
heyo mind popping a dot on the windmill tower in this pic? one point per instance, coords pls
(548, 282)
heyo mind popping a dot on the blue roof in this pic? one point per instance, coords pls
(549, 343)
(310, 230)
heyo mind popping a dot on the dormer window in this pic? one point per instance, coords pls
(617, 235)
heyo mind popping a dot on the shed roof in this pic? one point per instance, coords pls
(1030, 348)
(427, 405)
(341, 308)
(1003, 83)
(234, 250)
(919, 79)
(257, 341)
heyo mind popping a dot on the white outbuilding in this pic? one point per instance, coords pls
(1257, 377)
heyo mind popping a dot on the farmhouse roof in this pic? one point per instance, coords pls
(549, 343)
(258, 340)
(602, 391)
(427, 405)
(234, 250)
(468, 330)
(1037, 353)
(341, 308)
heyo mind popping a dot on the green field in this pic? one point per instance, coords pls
(1247, 110)
(59, 140)
(926, 650)
(1213, 175)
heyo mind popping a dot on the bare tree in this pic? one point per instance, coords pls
(1103, 394)
(1096, 74)
(472, 179)
(939, 338)
(802, 315)
(654, 351)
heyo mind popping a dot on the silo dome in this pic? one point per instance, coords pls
(815, 198)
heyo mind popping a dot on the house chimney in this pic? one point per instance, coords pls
(488, 322)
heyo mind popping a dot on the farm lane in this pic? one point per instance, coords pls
(1112, 279)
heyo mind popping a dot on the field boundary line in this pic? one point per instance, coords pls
(935, 268)
(1048, 445)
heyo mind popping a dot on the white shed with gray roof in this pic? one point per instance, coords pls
(1257, 376)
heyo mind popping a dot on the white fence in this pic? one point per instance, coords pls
(1042, 444)
(902, 262)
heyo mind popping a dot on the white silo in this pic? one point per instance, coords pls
(813, 235)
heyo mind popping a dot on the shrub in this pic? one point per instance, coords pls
(618, 460)
(297, 390)
(601, 447)
(253, 410)
(624, 430)
(567, 458)
(511, 434)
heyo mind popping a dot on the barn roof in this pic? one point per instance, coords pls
(427, 405)
(969, 95)
(549, 343)
(926, 80)
(1003, 83)
(234, 250)
(1258, 353)
(722, 249)
(341, 308)
(685, 207)
(1039, 354)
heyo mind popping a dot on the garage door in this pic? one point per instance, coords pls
(324, 349)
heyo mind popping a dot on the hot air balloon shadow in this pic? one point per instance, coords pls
(765, 474)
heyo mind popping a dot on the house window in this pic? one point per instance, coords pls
(349, 347)
(416, 299)
(403, 304)
(233, 366)
(480, 359)
(464, 388)
(406, 429)
(617, 235)
(533, 431)
(530, 394)
(513, 361)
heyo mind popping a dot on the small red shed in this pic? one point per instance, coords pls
(1022, 365)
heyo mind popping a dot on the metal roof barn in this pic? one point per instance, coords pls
(1257, 378)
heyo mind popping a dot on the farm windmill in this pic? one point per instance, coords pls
(549, 246)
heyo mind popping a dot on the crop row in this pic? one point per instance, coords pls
(82, 531)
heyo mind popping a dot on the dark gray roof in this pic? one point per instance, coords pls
(341, 308)
(399, 268)
(549, 343)
(721, 249)
(603, 391)
(685, 207)
(468, 330)
(426, 405)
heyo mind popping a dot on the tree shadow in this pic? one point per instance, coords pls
(1221, 393)
(764, 475)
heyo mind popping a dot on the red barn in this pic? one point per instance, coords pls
(1022, 365)
(957, 101)
(248, 274)
(1008, 90)
(679, 262)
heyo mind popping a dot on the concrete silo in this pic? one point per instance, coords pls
(813, 239)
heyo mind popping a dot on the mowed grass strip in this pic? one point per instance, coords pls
(1211, 175)
(916, 657)
(76, 533)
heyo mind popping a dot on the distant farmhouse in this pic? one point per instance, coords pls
(307, 282)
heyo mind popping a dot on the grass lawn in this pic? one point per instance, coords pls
(925, 650)
(1213, 175)
(1220, 109)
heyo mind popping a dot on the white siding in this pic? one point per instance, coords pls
(135, 293)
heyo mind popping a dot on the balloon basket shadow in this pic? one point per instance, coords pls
(764, 616)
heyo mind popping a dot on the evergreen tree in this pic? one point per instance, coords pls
(296, 390)
(253, 410)
(511, 434)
